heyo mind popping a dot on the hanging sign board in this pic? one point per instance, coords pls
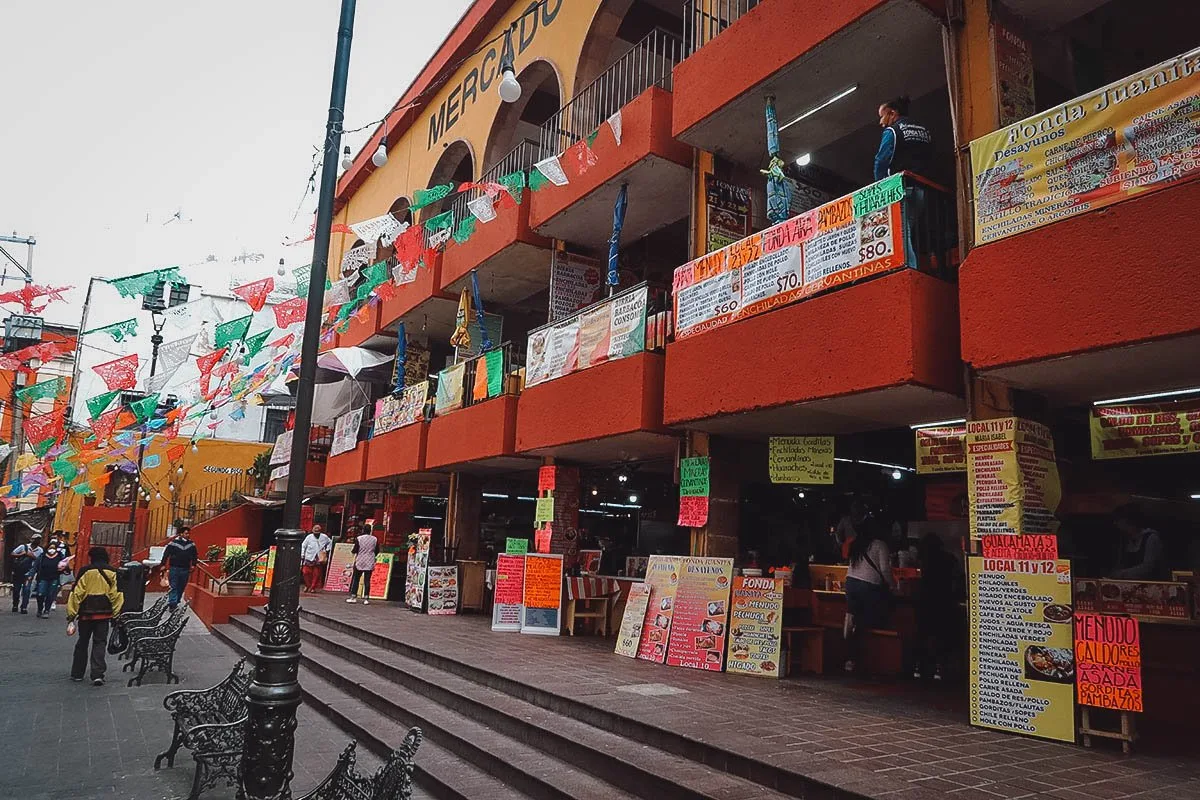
(345, 432)
(1145, 430)
(508, 603)
(941, 449)
(542, 595)
(801, 459)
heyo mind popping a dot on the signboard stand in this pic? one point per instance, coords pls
(542, 594)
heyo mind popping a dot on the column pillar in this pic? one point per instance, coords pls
(718, 538)
(463, 510)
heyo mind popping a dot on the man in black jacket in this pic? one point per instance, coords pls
(180, 556)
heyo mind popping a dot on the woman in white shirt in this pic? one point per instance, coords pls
(869, 587)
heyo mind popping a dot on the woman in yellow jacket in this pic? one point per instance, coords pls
(93, 603)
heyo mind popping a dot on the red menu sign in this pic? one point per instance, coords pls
(1108, 661)
(508, 602)
(662, 576)
(701, 620)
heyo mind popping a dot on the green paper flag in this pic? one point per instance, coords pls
(40, 391)
(255, 343)
(302, 275)
(591, 137)
(119, 331)
(144, 409)
(64, 469)
(98, 404)
(465, 229)
(374, 275)
(41, 448)
(427, 197)
(231, 331)
(514, 183)
(495, 372)
(537, 181)
(440, 222)
(145, 282)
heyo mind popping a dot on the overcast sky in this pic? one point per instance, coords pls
(117, 115)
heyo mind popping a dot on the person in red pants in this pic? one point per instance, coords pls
(314, 555)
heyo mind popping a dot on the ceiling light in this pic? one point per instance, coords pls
(495, 496)
(622, 477)
(897, 474)
(595, 492)
(800, 495)
(804, 160)
(1153, 396)
(943, 423)
(1196, 497)
(633, 498)
(818, 107)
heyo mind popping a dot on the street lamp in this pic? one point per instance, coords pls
(274, 694)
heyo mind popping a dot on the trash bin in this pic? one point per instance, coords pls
(131, 582)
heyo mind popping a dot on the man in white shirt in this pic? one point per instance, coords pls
(314, 555)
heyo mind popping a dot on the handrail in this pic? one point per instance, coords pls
(524, 155)
(470, 367)
(704, 20)
(648, 63)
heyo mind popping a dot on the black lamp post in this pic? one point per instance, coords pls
(275, 692)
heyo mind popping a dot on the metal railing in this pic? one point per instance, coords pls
(648, 63)
(194, 508)
(470, 396)
(522, 157)
(703, 20)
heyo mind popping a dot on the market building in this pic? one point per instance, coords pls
(995, 338)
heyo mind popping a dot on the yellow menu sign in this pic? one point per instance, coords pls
(1022, 653)
(1133, 136)
(801, 459)
(1012, 477)
(756, 627)
(941, 449)
(1145, 430)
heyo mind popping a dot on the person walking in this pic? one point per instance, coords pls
(314, 555)
(365, 547)
(46, 571)
(91, 605)
(24, 556)
(180, 555)
(870, 585)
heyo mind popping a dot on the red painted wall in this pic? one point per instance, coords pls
(480, 431)
(510, 225)
(1109, 278)
(617, 397)
(242, 521)
(215, 609)
(411, 295)
(752, 49)
(360, 331)
(645, 130)
(314, 473)
(901, 328)
(348, 467)
(397, 452)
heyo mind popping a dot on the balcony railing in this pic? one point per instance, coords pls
(471, 382)
(522, 157)
(620, 326)
(703, 20)
(648, 63)
(901, 221)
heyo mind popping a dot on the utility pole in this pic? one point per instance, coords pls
(155, 341)
(27, 270)
(270, 739)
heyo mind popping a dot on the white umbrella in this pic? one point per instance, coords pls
(351, 360)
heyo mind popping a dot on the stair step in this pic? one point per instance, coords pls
(514, 761)
(437, 771)
(640, 769)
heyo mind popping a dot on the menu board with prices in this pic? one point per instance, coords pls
(800, 459)
(516, 546)
(1144, 598)
(700, 623)
(1108, 656)
(542, 594)
(1022, 659)
(941, 449)
(629, 636)
(1012, 477)
(508, 602)
(381, 576)
(727, 212)
(662, 576)
(341, 566)
(756, 627)
(1145, 430)
(443, 590)
(264, 572)
(418, 563)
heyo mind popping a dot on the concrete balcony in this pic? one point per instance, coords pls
(478, 438)
(398, 452)
(420, 303)
(347, 469)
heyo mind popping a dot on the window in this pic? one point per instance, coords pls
(274, 423)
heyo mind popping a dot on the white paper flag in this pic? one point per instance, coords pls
(157, 381)
(357, 257)
(371, 231)
(401, 277)
(439, 238)
(482, 208)
(172, 354)
(614, 122)
(552, 169)
(338, 293)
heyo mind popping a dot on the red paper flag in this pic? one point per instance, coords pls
(104, 424)
(583, 156)
(120, 373)
(175, 453)
(409, 246)
(283, 341)
(41, 427)
(207, 362)
(255, 294)
(290, 312)
(386, 290)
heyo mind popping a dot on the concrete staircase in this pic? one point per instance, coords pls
(488, 737)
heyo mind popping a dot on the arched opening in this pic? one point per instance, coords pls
(401, 212)
(514, 137)
(618, 26)
(457, 165)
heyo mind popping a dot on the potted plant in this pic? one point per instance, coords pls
(260, 471)
(213, 553)
(238, 565)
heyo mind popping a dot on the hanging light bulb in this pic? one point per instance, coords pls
(179, 470)
(213, 415)
(380, 157)
(158, 495)
(195, 449)
(170, 487)
(281, 270)
(510, 89)
(347, 160)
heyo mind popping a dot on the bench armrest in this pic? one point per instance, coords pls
(216, 738)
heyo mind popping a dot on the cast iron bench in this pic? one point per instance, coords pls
(141, 619)
(392, 781)
(211, 724)
(154, 647)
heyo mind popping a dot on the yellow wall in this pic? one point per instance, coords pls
(412, 158)
(200, 469)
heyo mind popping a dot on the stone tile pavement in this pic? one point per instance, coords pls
(899, 741)
(74, 740)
